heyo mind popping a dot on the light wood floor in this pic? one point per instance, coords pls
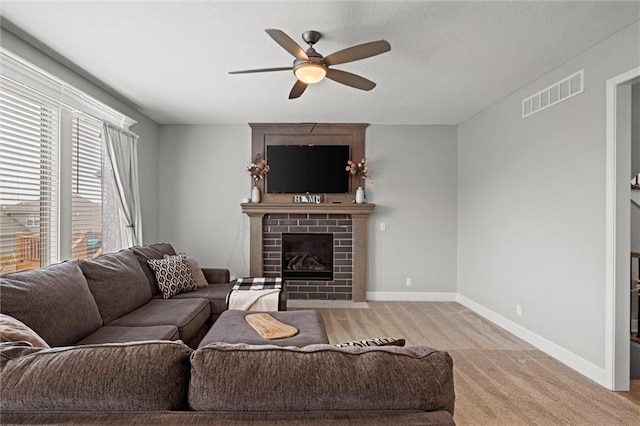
(634, 392)
(499, 379)
(634, 385)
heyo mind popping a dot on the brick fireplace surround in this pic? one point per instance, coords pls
(349, 224)
(338, 225)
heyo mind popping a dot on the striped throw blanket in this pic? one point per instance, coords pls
(255, 294)
(258, 283)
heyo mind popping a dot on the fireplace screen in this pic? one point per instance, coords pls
(307, 257)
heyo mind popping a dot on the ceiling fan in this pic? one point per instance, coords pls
(310, 67)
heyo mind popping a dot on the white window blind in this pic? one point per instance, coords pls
(54, 202)
(87, 187)
(28, 180)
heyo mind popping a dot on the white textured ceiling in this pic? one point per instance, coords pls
(448, 61)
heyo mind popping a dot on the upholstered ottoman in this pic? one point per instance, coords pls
(231, 327)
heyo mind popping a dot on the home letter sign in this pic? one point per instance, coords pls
(307, 199)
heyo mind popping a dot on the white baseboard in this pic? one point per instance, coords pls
(325, 304)
(581, 365)
(413, 296)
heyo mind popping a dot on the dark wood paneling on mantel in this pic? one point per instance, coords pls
(351, 134)
(359, 213)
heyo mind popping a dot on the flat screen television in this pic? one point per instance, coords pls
(307, 168)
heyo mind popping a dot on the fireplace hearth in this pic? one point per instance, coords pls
(307, 256)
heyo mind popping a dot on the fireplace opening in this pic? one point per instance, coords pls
(307, 257)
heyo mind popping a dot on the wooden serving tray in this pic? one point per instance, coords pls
(269, 327)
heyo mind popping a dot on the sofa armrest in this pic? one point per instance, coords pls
(284, 297)
(216, 275)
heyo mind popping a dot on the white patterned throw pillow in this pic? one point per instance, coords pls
(173, 275)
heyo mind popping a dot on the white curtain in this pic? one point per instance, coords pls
(111, 221)
(122, 154)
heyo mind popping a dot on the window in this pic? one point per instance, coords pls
(86, 185)
(52, 188)
(28, 181)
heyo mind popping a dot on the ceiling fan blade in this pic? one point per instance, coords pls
(355, 53)
(349, 79)
(297, 90)
(287, 43)
(261, 70)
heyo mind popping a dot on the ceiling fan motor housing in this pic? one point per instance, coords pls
(313, 69)
(311, 37)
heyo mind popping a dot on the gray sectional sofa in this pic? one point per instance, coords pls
(120, 354)
(112, 299)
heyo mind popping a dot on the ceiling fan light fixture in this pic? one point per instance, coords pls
(311, 67)
(310, 73)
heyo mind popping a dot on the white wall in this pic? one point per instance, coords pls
(531, 205)
(203, 180)
(146, 128)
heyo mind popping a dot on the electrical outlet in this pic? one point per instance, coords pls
(409, 282)
(519, 310)
(383, 226)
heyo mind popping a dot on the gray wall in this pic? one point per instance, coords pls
(416, 177)
(635, 129)
(146, 128)
(635, 195)
(531, 205)
(203, 180)
(635, 166)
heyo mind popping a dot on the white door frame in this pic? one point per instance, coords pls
(617, 261)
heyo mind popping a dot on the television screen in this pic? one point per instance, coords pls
(307, 168)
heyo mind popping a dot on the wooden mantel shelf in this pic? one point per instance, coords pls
(360, 218)
(322, 208)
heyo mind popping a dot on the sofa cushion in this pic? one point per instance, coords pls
(117, 283)
(152, 251)
(216, 294)
(111, 377)
(117, 334)
(189, 315)
(198, 275)
(216, 275)
(232, 327)
(341, 379)
(13, 330)
(66, 311)
(173, 275)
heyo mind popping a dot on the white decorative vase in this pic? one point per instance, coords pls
(255, 194)
(359, 195)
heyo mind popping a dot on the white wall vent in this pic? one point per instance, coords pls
(558, 92)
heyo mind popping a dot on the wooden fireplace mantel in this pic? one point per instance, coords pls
(359, 213)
